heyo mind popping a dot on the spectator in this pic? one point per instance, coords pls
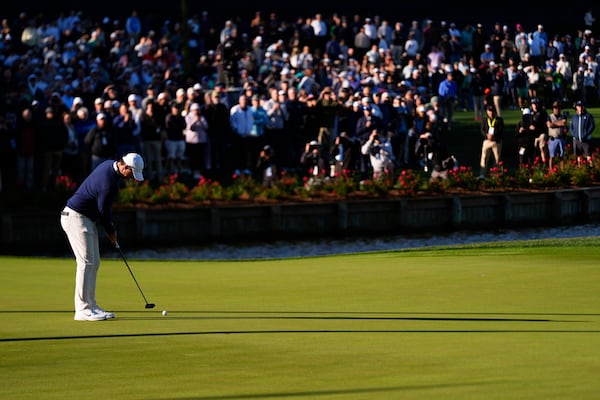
(497, 83)
(308, 83)
(442, 160)
(328, 108)
(259, 122)
(492, 129)
(419, 125)
(133, 101)
(197, 142)
(539, 118)
(242, 122)
(487, 55)
(362, 43)
(557, 133)
(101, 140)
(582, 126)
(320, 29)
(26, 145)
(310, 118)
(124, 127)
(266, 167)
(219, 132)
(533, 80)
(133, 27)
(70, 157)
(54, 138)
(588, 19)
(563, 67)
(447, 92)
(344, 155)
(525, 136)
(589, 85)
(380, 155)
(411, 46)
(275, 135)
(521, 86)
(538, 41)
(152, 136)
(398, 38)
(313, 163)
(478, 87)
(294, 126)
(83, 124)
(435, 59)
(175, 126)
(522, 45)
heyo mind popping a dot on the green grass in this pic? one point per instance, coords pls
(518, 320)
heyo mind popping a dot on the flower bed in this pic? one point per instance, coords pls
(407, 183)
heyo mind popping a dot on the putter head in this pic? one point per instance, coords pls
(150, 305)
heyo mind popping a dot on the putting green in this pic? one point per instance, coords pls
(495, 321)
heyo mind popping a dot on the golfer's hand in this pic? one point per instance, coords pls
(113, 238)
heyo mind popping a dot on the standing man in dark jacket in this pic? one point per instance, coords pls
(219, 132)
(539, 119)
(582, 126)
(496, 87)
(101, 140)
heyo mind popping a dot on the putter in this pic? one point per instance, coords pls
(148, 305)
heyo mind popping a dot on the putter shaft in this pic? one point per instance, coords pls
(148, 305)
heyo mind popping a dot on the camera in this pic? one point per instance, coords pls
(267, 151)
(449, 163)
(375, 149)
(313, 145)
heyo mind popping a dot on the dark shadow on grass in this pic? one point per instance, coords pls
(323, 318)
(245, 315)
(293, 331)
(337, 313)
(318, 393)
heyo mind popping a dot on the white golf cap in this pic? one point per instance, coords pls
(136, 163)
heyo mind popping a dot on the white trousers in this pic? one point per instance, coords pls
(82, 233)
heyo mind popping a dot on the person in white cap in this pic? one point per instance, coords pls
(90, 205)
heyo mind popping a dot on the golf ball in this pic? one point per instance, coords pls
(164, 312)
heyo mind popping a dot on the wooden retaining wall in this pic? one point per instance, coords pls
(24, 232)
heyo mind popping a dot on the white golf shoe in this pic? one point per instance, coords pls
(89, 315)
(108, 314)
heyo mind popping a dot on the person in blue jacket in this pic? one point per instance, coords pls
(582, 126)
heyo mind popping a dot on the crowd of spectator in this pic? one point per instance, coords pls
(260, 96)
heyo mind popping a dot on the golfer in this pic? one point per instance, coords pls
(92, 204)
